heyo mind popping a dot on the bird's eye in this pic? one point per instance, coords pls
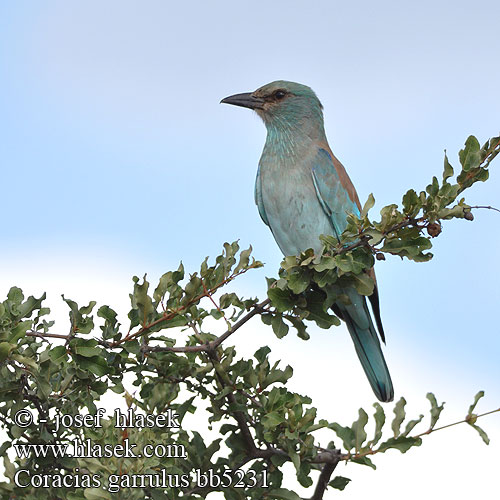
(279, 94)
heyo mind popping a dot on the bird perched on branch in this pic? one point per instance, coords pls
(303, 191)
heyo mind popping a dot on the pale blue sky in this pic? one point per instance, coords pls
(115, 153)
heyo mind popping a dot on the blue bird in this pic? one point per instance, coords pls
(303, 191)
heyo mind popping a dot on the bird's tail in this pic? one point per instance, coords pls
(359, 323)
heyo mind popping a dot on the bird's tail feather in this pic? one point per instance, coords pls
(365, 338)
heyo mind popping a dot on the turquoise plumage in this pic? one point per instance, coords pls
(303, 191)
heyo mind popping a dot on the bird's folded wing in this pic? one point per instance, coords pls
(258, 198)
(332, 195)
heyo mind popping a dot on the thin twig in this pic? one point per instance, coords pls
(349, 456)
(488, 207)
(466, 419)
(176, 312)
(47, 335)
(209, 346)
(256, 310)
(220, 311)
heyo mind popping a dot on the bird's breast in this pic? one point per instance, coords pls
(295, 215)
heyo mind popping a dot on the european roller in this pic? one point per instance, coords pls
(302, 191)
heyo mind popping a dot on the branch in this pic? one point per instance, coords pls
(238, 415)
(486, 206)
(175, 312)
(26, 390)
(47, 335)
(323, 479)
(465, 420)
(349, 456)
(258, 308)
(210, 346)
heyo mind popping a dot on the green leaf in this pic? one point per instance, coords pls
(345, 262)
(399, 416)
(24, 360)
(411, 424)
(141, 300)
(244, 260)
(408, 246)
(435, 409)
(411, 203)
(471, 418)
(364, 284)
(369, 203)
(345, 433)
(280, 328)
(294, 457)
(110, 329)
(390, 216)
(358, 428)
(477, 397)
(266, 318)
(433, 188)
(97, 494)
(15, 295)
(379, 417)
(5, 349)
(300, 327)
(326, 263)
(470, 156)
(401, 443)
(448, 169)
(283, 494)
(303, 475)
(339, 482)
(364, 461)
(167, 282)
(193, 288)
(9, 467)
(481, 432)
(277, 375)
(280, 299)
(316, 310)
(261, 354)
(31, 304)
(5, 446)
(88, 352)
(76, 496)
(96, 365)
(299, 281)
(19, 331)
(58, 354)
(80, 321)
(278, 460)
(88, 309)
(289, 262)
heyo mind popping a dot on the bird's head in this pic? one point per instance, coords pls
(282, 104)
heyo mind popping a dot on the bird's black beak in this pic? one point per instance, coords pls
(246, 100)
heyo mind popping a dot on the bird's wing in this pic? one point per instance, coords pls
(332, 191)
(338, 197)
(258, 198)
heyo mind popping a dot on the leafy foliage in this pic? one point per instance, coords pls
(178, 366)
